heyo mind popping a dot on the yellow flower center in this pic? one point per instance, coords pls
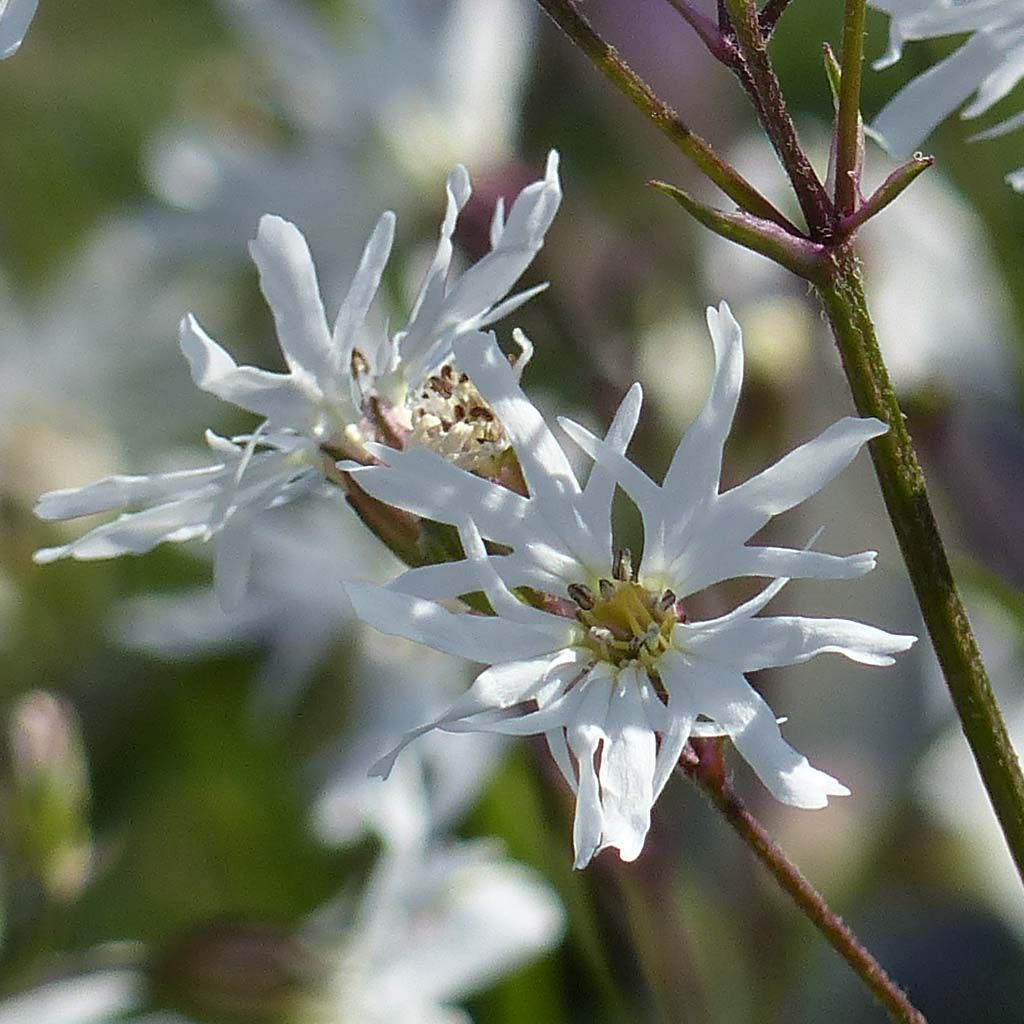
(625, 621)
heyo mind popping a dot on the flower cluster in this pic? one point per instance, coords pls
(987, 66)
(586, 646)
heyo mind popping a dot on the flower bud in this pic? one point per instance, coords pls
(49, 792)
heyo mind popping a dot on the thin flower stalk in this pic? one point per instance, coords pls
(707, 769)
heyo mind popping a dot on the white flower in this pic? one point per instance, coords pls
(217, 501)
(15, 18)
(342, 385)
(436, 926)
(334, 375)
(987, 66)
(610, 670)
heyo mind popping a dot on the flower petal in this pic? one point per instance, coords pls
(422, 482)
(745, 509)
(545, 466)
(696, 467)
(585, 735)
(486, 639)
(15, 18)
(681, 713)
(751, 644)
(281, 397)
(113, 492)
(627, 767)
(723, 561)
(914, 112)
(361, 292)
(288, 280)
(725, 696)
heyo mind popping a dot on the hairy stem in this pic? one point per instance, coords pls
(906, 498)
(565, 14)
(774, 115)
(710, 775)
(770, 15)
(848, 125)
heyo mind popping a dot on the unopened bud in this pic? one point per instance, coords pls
(50, 792)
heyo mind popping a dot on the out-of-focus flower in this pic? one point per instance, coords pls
(946, 782)
(292, 621)
(103, 997)
(406, 87)
(435, 927)
(296, 624)
(431, 927)
(438, 785)
(83, 360)
(987, 67)
(609, 668)
(15, 18)
(341, 387)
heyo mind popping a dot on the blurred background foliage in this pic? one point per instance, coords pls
(169, 797)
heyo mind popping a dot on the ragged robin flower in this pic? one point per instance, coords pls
(603, 659)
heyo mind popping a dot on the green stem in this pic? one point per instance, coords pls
(906, 498)
(848, 124)
(710, 775)
(606, 58)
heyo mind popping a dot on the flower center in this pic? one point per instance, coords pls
(451, 417)
(625, 621)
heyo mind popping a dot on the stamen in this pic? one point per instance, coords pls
(582, 595)
(607, 589)
(666, 601)
(623, 568)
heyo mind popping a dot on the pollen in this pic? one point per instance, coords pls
(452, 418)
(625, 621)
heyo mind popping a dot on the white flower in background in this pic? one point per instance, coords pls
(611, 671)
(103, 997)
(436, 926)
(987, 66)
(946, 781)
(15, 18)
(296, 625)
(441, 781)
(342, 387)
(431, 927)
(404, 86)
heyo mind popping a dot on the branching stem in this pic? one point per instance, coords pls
(774, 116)
(566, 15)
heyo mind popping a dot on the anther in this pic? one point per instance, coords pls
(607, 589)
(666, 601)
(582, 595)
(623, 568)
